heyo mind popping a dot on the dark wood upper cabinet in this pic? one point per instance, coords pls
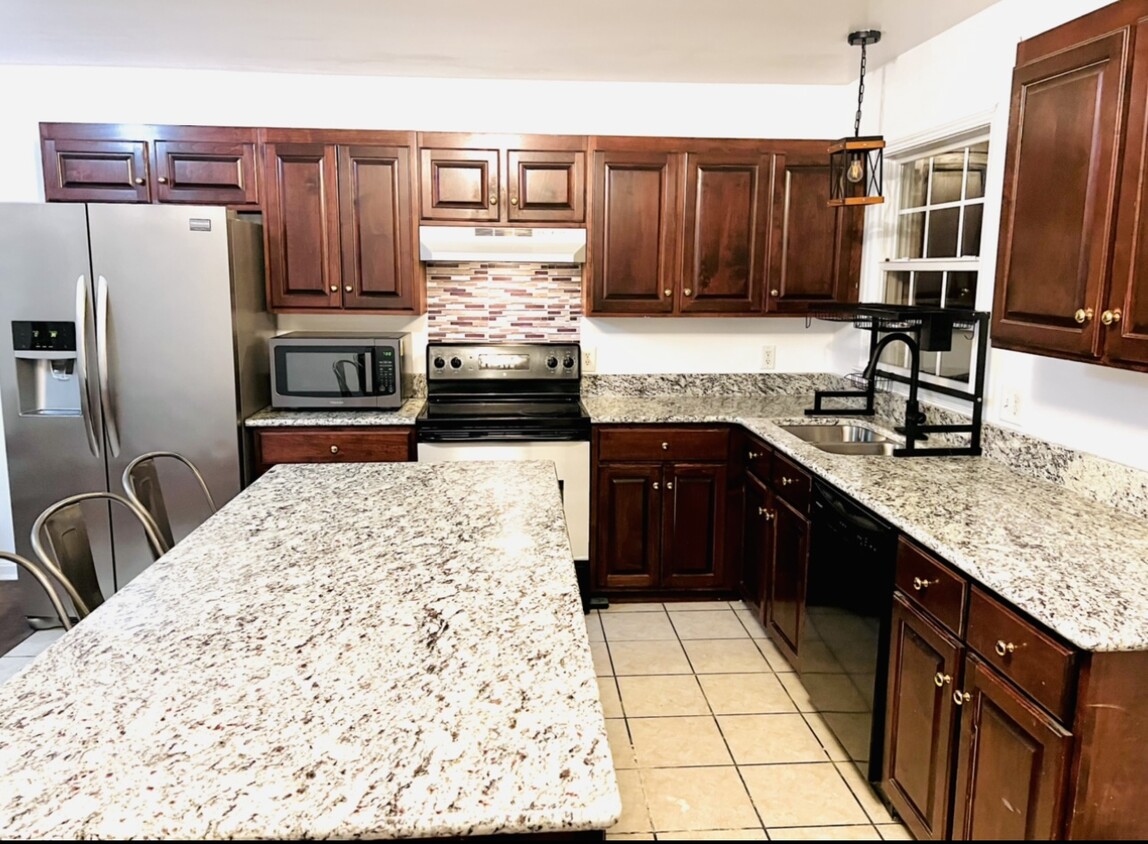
(111, 162)
(546, 187)
(628, 541)
(460, 184)
(815, 250)
(376, 235)
(633, 232)
(1058, 210)
(693, 525)
(726, 224)
(1012, 764)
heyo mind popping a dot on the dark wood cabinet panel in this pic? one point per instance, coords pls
(725, 240)
(633, 241)
(96, 170)
(546, 186)
(629, 507)
(920, 721)
(332, 445)
(459, 184)
(206, 172)
(693, 526)
(1011, 766)
(758, 545)
(663, 442)
(787, 578)
(1056, 232)
(376, 232)
(943, 594)
(301, 217)
(816, 249)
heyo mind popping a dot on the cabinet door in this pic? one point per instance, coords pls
(693, 526)
(920, 721)
(758, 554)
(95, 171)
(1059, 189)
(546, 187)
(1127, 340)
(786, 606)
(633, 232)
(816, 250)
(1012, 764)
(629, 508)
(206, 172)
(725, 233)
(460, 184)
(301, 216)
(375, 228)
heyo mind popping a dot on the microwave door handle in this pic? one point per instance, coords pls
(367, 366)
(82, 301)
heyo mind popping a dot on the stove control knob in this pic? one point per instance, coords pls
(439, 363)
(552, 362)
(456, 363)
(568, 362)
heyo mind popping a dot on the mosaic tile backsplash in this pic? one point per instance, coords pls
(499, 302)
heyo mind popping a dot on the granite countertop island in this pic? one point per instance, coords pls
(409, 660)
(1076, 565)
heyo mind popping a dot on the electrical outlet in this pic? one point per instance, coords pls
(768, 357)
(1010, 406)
(589, 359)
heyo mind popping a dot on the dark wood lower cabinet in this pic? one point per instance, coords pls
(629, 517)
(921, 721)
(1012, 764)
(787, 578)
(693, 525)
(758, 556)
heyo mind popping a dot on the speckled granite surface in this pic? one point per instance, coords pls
(410, 660)
(271, 417)
(1076, 565)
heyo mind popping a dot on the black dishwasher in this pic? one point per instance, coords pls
(844, 645)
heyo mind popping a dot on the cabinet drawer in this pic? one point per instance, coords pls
(791, 482)
(663, 443)
(334, 445)
(932, 586)
(1042, 667)
(758, 459)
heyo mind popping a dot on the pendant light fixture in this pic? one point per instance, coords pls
(855, 164)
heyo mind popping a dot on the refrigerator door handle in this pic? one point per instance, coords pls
(107, 400)
(82, 298)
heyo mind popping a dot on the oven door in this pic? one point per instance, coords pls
(322, 375)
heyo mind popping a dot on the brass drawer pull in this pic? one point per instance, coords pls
(334, 449)
(665, 446)
(765, 514)
(788, 481)
(920, 584)
(1004, 648)
(961, 698)
(940, 679)
(753, 455)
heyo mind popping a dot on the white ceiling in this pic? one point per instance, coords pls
(739, 41)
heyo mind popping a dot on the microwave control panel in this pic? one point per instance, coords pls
(386, 370)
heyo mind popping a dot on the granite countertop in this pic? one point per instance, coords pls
(1076, 565)
(272, 417)
(410, 660)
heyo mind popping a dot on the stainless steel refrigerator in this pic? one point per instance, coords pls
(126, 329)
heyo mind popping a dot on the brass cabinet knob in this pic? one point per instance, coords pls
(667, 292)
(669, 485)
(138, 180)
(163, 180)
(1083, 315)
(961, 698)
(1004, 648)
(775, 292)
(334, 449)
(494, 199)
(665, 446)
(753, 455)
(765, 514)
(514, 200)
(656, 485)
(788, 481)
(920, 584)
(334, 288)
(1111, 317)
(348, 288)
(940, 679)
(688, 292)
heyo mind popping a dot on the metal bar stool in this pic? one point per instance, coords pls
(142, 487)
(70, 559)
(44, 580)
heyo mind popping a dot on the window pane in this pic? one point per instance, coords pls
(928, 289)
(948, 171)
(978, 164)
(971, 236)
(910, 235)
(914, 183)
(943, 233)
(897, 288)
(962, 290)
(895, 354)
(929, 362)
(955, 364)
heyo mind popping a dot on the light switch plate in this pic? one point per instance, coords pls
(589, 359)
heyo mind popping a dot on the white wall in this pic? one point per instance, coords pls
(950, 80)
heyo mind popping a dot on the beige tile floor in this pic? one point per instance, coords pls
(713, 735)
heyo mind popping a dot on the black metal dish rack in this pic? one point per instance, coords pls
(931, 329)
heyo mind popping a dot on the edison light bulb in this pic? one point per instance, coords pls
(856, 171)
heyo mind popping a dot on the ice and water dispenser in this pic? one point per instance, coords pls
(46, 376)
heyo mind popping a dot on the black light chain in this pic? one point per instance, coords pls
(860, 95)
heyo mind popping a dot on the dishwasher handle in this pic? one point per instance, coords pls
(842, 513)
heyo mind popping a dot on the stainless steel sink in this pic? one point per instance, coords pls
(885, 448)
(834, 434)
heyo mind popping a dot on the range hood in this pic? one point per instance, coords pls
(498, 243)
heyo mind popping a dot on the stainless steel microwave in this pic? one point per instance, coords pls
(337, 370)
